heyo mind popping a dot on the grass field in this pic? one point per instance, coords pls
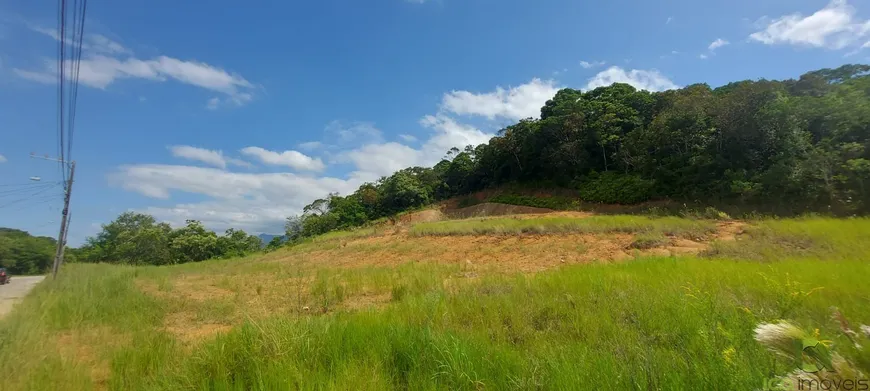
(309, 317)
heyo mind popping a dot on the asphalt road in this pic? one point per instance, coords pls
(17, 288)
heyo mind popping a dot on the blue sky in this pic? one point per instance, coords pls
(239, 115)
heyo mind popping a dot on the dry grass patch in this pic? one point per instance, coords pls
(91, 349)
(189, 330)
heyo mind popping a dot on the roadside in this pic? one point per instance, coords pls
(17, 288)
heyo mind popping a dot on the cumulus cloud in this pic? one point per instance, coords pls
(373, 161)
(207, 156)
(255, 202)
(650, 80)
(513, 103)
(107, 62)
(833, 27)
(448, 134)
(293, 159)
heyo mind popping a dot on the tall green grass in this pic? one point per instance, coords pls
(595, 224)
(814, 237)
(653, 323)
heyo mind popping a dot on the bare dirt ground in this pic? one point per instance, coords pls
(17, 288)
(527, 253)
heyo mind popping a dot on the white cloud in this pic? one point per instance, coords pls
(101, 44)
(94, 43)
(650, 80)
(254, 217)
(670, 19)
(594, 64)
(832, 27)
(2, 159)
(254, 202)
(449, 134)
(311, 145)
(373, 161)
(718, 44)
(702, 56)
(107, 61)
(674, 52)
(407, 138)
(261, 202)
(293, 159)
(208, 156)
(214, 158)
(513, 103)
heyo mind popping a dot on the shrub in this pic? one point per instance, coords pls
(615, 188)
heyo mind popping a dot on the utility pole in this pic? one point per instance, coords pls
(61, 237)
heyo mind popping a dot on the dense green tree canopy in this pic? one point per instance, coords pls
(138, 239)
(21, 253)
(799, 144)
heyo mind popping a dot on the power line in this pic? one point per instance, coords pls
(52, 203)
(6, 193)
(67, 108)
(25, 198)
(79, 10)
(27, 183)
(61, 71)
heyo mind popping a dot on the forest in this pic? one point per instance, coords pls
(783, 147)
(22, 253)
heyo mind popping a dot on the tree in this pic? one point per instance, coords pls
(133, 238)
(193, 243)
(21, 253)
(236, 243)
(138, 239)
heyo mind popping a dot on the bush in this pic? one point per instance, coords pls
(615, 188)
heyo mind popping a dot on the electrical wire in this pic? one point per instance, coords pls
(80, 7)
(30, 197)
(6, 193)
(55, 202)
(61, 72)
(28, 184)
